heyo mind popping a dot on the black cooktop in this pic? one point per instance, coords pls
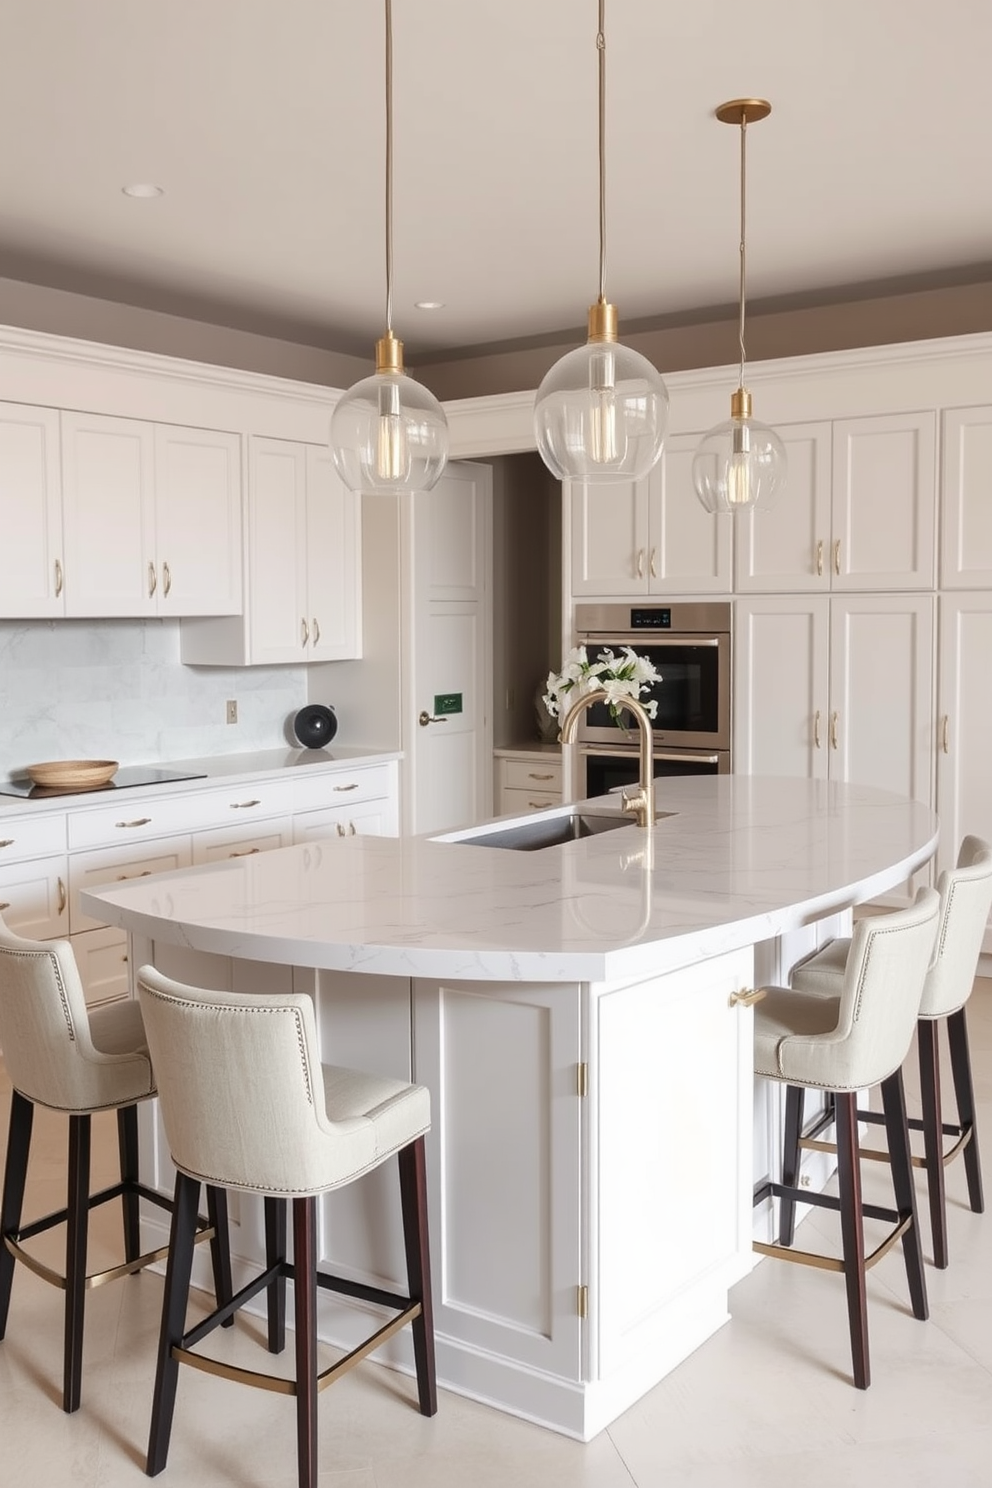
(126, 779)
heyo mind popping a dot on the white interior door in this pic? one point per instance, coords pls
(447, 697)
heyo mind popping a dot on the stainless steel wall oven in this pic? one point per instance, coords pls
(689, 645)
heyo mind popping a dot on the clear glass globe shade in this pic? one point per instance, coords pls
(601, 413)
(389, 433)
(739, 465)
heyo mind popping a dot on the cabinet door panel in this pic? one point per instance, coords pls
(279, 622)
(781, 655)
(690, 551)
(198, 521)
(30, 506)
(610, 538)
(966, 499)
(788, 546)
(109, 865)
(334, 562)
(885, 502)
(108, 516)
(101, 956)
(34, 898)
(964, 780)
(240, 842)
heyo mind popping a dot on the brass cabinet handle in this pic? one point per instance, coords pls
(426, 718)
(244, 805)
(152, 580)
(315, 631)
(304, 631)
(945, 742)
(123, 877)
(139, 821)
(58, 577)
(62, 896)
(640, 563)
(819, 557)
(816, 729)
(537, 805)
(5, 904)
(352, 786)
(833, 731)
(651, 568)
(244, 852)
(7, 841)
(166, 579)
(533, 775)
(747, 997)
(837, 557)
(351, 829)
(340, 829)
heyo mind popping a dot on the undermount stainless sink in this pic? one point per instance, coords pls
(550, 831)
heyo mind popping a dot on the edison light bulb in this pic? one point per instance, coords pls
(739, 464)
(392, 458)
(603, 441)
(739, 482)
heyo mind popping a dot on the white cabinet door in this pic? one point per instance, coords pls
(964, 779)
(31, 583)
(277, 562)
(198, 521)
(610, 543)
(966, 499)
(690, 551)
(242, 842)
(884, 502)
(34, 897)
(101, 957)
(881, 693)
(334, 561)
(787, 547)
(781, 668)
(108, 516)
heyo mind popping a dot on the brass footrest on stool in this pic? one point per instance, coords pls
(827, 1201)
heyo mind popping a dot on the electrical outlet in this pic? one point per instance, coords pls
(232, 710)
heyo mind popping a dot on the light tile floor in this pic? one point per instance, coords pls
(764, 1404)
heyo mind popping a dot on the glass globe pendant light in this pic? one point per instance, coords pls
(602, 410)
(388, 432)
(740, 464)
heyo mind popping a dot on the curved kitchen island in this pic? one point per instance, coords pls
(574, 1012)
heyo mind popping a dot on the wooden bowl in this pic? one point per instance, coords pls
(72, 774)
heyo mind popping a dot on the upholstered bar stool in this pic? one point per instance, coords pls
(965, 901)
(61, 1055)
(844, 1044)
(247, 1105)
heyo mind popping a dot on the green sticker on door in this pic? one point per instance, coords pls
(447, 702)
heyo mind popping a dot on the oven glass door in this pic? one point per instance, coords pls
(693, 696)
(611, 769)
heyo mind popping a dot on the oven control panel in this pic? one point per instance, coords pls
(651, 619)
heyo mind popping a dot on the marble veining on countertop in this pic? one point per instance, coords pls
(742, 859)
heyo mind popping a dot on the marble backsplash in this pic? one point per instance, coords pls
(116, 689)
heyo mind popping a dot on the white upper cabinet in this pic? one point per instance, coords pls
(884, 502)
(152, 518)
(781, 683)
(966, 515)
(787, 546)
(303, 566)
(31, 569)
(650, 536)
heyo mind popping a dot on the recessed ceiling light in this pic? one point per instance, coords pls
(428, 305)
(143, 189)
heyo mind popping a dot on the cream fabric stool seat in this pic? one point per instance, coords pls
(61, 1055)
(965, 900)
(844, 1044)
(295, 1129)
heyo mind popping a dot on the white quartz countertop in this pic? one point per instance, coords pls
(742, 859)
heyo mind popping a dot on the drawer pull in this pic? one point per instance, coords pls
(816, 729)
(243, 805)
(166, 579)
(352, 786)
(945, 742)
(745, 998)
(8, 841)
(833, 731)
(304, 632)
(244, 852)
(537, 805)
(533, 775)
(340, 829)
(62, 896)
(139, 821)
(59, 578)
(152, 580)
(315, 631)
(5, 904)
(123, 877)
(837, 557)
(351, 829)
(651, 567)
(819, 557)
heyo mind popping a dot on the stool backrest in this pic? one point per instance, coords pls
(965, 901)
(879, 1000)
(241, 1090)
(45, 1032)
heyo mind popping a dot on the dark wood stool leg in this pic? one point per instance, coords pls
(897, 1132)
(413, 1194)
(305, 1308)
(964, 1094)
(14, 1178)
(127, 1143)
(795, 1097)
(177, 1275)
(933, 1141)
(275, 1251)
(77, 1206)
(852, 1232)
(220, 1248)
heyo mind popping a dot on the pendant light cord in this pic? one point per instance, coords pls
(389, 166)
(740, 332)
(601, 49)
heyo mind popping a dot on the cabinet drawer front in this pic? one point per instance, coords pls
(133, 820)
(237, 842)
(239, 805)
(344, 787)
(537, 774)
(101, 956)
(31, 837)
(522, 801)
(365, 821)
(114, 865)
(34, 898)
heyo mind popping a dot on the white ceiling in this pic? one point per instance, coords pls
(263, 120)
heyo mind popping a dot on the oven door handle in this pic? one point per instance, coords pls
(679, 758)
(637, 638)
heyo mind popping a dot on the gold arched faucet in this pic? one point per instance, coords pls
(639, 803)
